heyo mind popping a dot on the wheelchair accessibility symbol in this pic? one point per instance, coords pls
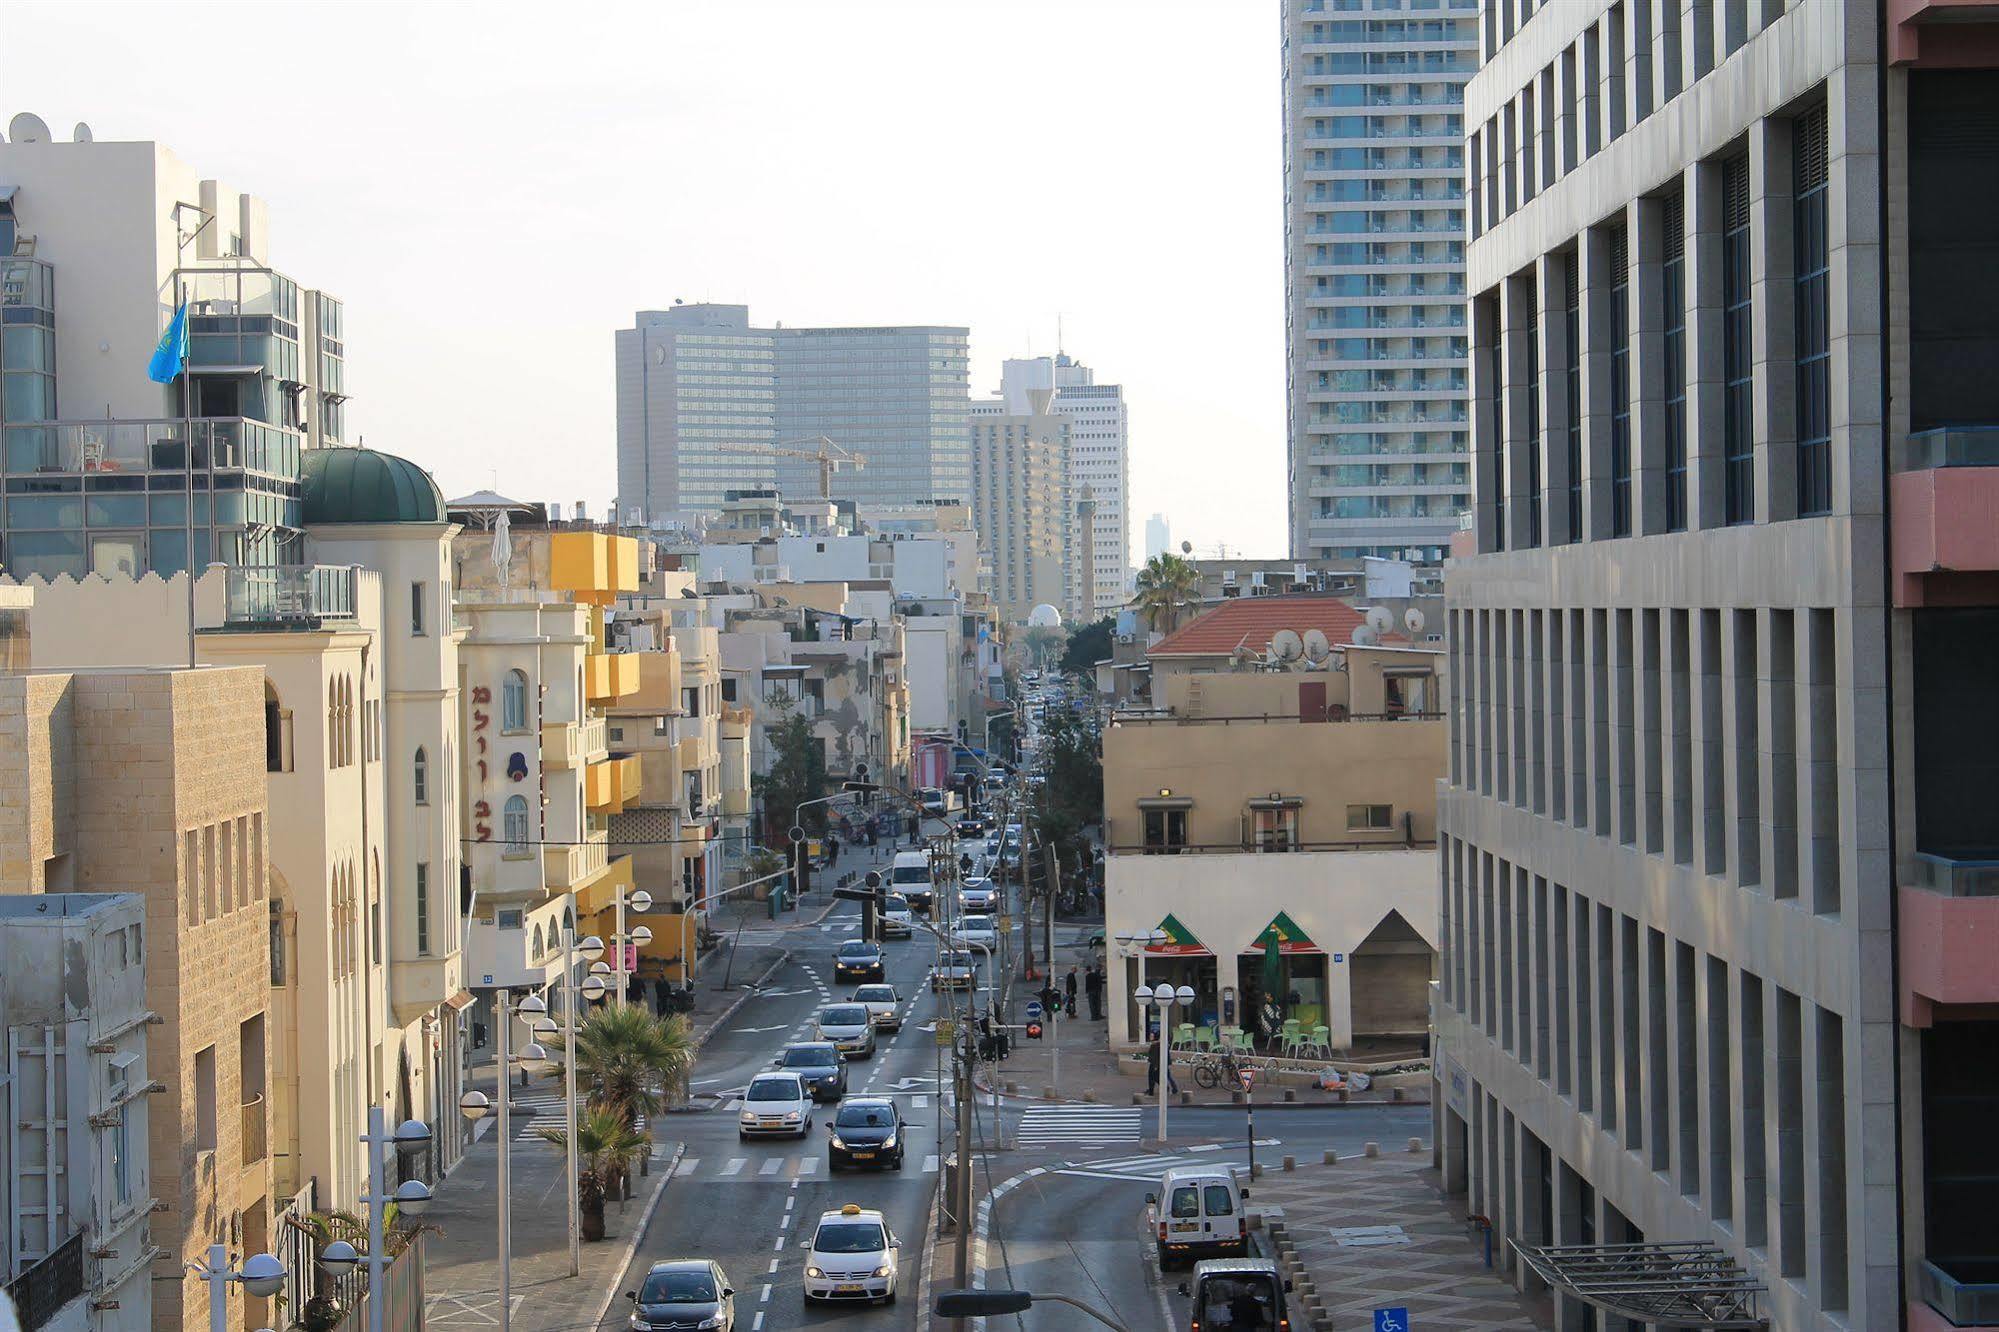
(1391, 1320)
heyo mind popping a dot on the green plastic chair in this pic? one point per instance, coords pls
(1183, 1036)
(1204, 1037)
(1233, 1039)
(1321, 1043)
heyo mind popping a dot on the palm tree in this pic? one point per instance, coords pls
(632, 1061)
(1167, 585)
(607, 1146)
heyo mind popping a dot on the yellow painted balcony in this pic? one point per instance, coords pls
(735, 803)
(610, 675)
(568, 744)
(610, 786)
(568, 866)
(593, 567)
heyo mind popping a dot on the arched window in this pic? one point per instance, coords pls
(514, 824)
(536, 951)
(420, 777)
(333, 723)
(514, 702)
(277, 732)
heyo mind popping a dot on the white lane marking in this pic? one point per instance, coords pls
(757, 1325)
(765, 1297)
(688, 1165)
(789, 1201)
(808, 1165)
(772, 1268)
(784, 1222)
(930, 1164)
(771, 1166)
(919, 1102)
(735, 1166)
(780, 1244)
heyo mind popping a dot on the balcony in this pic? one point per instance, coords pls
(1948, 936)
(287, 597)
(565, 867)
(568, 744)
(1961, 1304)
(612, 785)
(610, 675)
(135, 447)
(45, 1289)
(1941, 496)
(254, 1138)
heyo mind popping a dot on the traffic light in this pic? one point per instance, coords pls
(1034, 1031)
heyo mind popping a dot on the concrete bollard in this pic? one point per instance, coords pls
(1331, 1157)
(1290, 1163)
(1137, 1098)
(1090, 1096)
(1256, 1172)
(1371, 1150)
(1290, 1093)
(1235, 1098)
(1186, 1098)
(1415, 1146)
(1047, 1093)
(1395, 1094)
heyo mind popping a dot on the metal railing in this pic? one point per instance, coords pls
(303, 595)
(254, 1131)
(140, 446)
(1965, 1303)
(1258, 719)
(1391, 841)
(40, 1293)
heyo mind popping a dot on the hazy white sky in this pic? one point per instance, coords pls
(493, 188)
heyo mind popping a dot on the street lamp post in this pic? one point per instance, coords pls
(412, 1196)
(641, 902)
(1163, 997)
(591, 987)
(261, 1276)
(475, 1106)
(1139, 941)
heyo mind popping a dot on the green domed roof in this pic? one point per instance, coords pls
(363, 486)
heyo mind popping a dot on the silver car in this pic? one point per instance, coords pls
(851, 1029)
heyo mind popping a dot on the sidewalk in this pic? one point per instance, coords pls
(1376, 1233)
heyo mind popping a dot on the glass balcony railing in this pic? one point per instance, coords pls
(305, 596)
(28, 284)
(1957, 876)
(136, 446)
(1964, 1303)
(1950, 446)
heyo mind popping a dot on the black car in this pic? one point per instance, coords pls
(972, 825)
(858, 960)
(820, 1064)
(686, 1292)
(866, 1131)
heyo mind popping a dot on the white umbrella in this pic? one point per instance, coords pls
(503, 547)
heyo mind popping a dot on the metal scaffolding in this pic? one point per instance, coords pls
(1694, 1285)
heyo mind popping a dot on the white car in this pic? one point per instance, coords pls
(978, 895)
(851, 1028)
(976, 930)
(883, 1004)
(851, 1256)
(775, 1103)
(896, 919)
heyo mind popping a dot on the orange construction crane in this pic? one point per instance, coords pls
(828, 455)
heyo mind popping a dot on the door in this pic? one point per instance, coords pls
(1218, 1213)
(1311, 700)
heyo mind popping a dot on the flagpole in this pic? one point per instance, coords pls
(187, 443)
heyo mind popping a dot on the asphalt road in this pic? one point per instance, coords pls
(751, 1205)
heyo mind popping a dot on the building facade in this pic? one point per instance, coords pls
(695, 383)
(1374, 273)
(897, 397)
(1158, 535)
(1022, 506)
(1711, 862)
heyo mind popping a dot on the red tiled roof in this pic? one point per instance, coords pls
(1248, 623)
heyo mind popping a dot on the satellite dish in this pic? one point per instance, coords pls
(1285, 645)
(82, 134)
(1366, 635)
(27, 127)
(1412, 620)
(1316, 645)
(1380, 621)
(1186, 548)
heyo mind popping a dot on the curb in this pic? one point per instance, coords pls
(638, 1234)
(929, 1258)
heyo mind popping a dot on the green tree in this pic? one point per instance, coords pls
(607, 1147)
(1168, 587)
(630, 1061)
(797, 774)
(1088, 646)
(1072, 799)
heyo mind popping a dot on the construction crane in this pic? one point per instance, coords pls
(828, 455)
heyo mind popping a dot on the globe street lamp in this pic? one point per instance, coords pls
(1138, 942)
(412, 1196)
(640, 902)
(1163, 997)
(261, 1277)
(475, 1106)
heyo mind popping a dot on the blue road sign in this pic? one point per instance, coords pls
(1034, 1010)
(1391, 1320)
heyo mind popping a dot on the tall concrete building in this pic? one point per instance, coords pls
(895, 396)
(98, 241)
(708, 403)
(1374, 265)
(1716, 840)
(1022, 506)
(1158, 535)
(1098, 467)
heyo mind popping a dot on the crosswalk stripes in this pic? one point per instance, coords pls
(776, 1169)
(1088, 1125)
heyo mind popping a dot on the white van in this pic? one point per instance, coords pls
(910, 878)
(1197, 1213)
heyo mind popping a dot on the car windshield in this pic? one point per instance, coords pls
(679, 1288)
(775, 1089)
(896, 904)
(1239, 1302)
(843, 1017)
(857, 949)
(957, 959)
(875, 994)
(812, 1057)
(865, 1116)
(850, 1237)
(910, 874)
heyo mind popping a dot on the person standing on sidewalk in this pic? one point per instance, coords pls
(1152, 1071)
(1069, 993)
(1093, 986)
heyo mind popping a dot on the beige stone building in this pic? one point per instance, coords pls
(1294, 803)
(1021, 503)
(151, 781)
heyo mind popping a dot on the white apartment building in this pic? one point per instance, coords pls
(75, 1172)
(1717, 835)
(1158, 535)
(1374, 273)
(1022, 507)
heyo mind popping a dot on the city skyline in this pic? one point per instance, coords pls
(393, 205)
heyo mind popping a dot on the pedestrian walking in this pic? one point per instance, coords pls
(1093, 986)
(1152, 1071)
(832, 850)
(1069, 993)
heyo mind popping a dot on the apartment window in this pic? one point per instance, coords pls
(1370, 818)
(1274, 827)
(375, 930)
(204, 1099)
(417, 591)
(1620, 381)
(1572, 333)
(509, 919)
(514, 825)
(1813, 311)
(514, 701)
(420, 777)
(1533, 442)
(1738, 368)
(1673, 285)
(423, 908)
(277, 732)
(120, 1137)
(1165, 831)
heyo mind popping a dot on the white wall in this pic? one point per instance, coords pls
(929, 655)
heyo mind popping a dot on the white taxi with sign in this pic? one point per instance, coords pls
(851, 1256)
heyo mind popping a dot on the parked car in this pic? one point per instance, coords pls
(777, 1103)
(884, 1005)
(866, 1131)
(850, 1027)
(858, 959)
(895, 918)
(851, 1256)
(819, 1064)
(1197, 1213)
(684, 1292)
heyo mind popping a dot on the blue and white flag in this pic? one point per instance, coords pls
(171, 354)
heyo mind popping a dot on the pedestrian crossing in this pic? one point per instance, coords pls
(1087, 1125)
(781, 1169)
(534, 1110)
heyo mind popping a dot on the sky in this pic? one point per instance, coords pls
(493, 188)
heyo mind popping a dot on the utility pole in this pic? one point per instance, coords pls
(961, 1206)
